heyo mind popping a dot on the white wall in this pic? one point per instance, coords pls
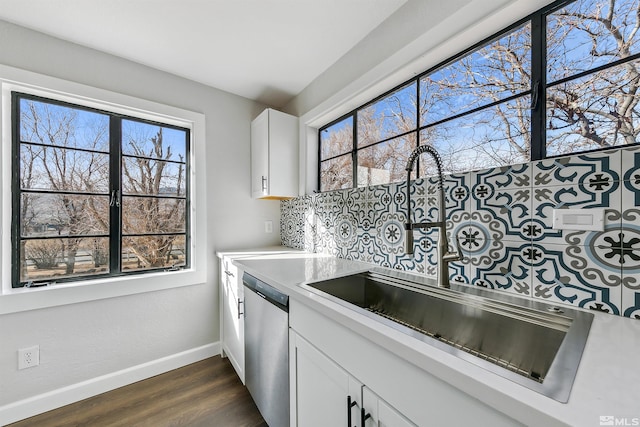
(80, 342)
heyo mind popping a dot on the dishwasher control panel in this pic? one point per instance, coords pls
(266, 291)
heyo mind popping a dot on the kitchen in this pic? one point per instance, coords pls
(93, 339)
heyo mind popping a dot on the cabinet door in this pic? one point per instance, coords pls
(380, 414)
(232, 326)
(260, 155)
(323, 394)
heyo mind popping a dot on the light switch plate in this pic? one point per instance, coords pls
(578, 219)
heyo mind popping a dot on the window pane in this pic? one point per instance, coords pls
(336, 139)
(152, 177)
(393, 115)
(597, 111)
(149, 215)
(51, 124)
(157, 142)
(52, 259)
(588, 33)
(495, 136)
(63, 215)
(148, 252)
(336, 174)
(494, 72)
(385, 162)
(59, 169)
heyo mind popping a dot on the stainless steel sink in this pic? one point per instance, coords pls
(534, 344)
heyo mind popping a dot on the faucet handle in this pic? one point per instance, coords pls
(458, 246)
(455, 256)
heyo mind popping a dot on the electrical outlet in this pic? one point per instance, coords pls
(28, 357)
(268, 226)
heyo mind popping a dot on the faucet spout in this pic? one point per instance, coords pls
(444, 256)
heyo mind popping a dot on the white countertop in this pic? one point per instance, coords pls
(607, 382)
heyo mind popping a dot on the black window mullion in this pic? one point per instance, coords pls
(17, 249)
(354, 152)
(538, 86)
(418, 124)
(187, 225)
(319, 168)
(115, 185)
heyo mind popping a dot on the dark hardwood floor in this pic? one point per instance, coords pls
(206, 393)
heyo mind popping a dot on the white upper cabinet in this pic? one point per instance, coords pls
(274, 155)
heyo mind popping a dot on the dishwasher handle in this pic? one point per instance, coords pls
(266, 291)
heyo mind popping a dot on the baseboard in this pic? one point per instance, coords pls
(44, 402)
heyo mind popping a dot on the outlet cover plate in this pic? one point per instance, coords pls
(28, 357)
(579, 219)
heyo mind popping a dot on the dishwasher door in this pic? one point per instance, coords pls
(266, 335)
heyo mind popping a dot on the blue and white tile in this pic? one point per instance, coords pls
(380, 201)
(356, 203)
(501, 178)
(457, 201)
(629, 241)
(593, 171)
(365, 248)
(630, 169)
(345, 234)
(629, 238)
(506, 213)
(546, 199)
(389, 235)
(581, 276)
(503, 267)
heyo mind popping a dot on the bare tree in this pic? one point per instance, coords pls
(600, 109)
(52, 161)
(147, 173)
(464, 106)
(337, 173)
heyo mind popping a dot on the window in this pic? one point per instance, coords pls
(562, 81)
(336, 148)
(593, 75)
(95, 194)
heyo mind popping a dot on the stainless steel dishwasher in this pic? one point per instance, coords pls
(266, 347)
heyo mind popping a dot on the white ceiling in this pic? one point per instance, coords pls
(267, 50)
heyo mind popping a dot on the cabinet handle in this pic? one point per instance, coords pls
(240, 313)
(264, 184)
(228, 273)
(350, 404)
(364, 416)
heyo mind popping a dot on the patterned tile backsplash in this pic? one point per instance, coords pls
(503, 218)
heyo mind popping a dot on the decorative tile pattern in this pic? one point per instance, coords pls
(503, 220)
(629, 237)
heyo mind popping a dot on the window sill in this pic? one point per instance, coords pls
(25, 299)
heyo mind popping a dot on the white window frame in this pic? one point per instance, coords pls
(22, 299)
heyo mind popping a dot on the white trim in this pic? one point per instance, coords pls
(16, 300)
(44, 402)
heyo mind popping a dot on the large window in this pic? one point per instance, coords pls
(95, 194)
(564, 80)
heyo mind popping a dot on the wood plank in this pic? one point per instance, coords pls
(207, 393)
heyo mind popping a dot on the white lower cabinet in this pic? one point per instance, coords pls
(379, 413)
(324, 394)
(330, 363)
(231, 315)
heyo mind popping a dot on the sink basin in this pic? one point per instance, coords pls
(531, 343)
